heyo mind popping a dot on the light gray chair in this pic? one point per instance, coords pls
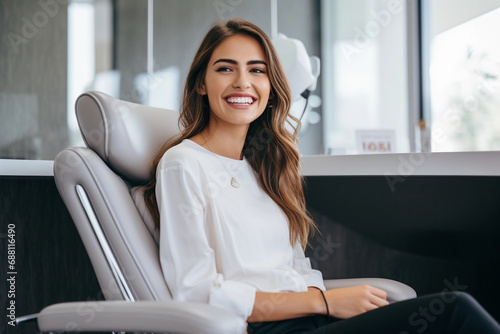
(100, 186)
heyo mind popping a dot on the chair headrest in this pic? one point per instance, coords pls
(127, 136)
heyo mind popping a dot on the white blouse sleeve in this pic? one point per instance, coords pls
(302, 265)
(187, 260)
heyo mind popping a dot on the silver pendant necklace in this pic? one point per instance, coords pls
(234, 182)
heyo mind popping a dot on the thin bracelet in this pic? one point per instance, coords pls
(327, 310)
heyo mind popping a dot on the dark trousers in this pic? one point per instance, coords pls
(450, 312)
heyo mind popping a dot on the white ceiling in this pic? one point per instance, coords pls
(446, 14)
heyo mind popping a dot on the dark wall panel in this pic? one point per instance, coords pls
(430, 232)
(51, 263)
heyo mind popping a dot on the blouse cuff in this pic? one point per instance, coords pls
(236, 297)
(314, 279)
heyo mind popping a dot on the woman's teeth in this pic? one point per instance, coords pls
(240, 100)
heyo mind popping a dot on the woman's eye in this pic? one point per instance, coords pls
(223, 69)
(258, 70)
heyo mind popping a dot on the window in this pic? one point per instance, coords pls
(464, 74)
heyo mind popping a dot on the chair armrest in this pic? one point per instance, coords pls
(141, 316)
(396, 291)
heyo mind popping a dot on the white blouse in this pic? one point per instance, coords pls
(220, 244)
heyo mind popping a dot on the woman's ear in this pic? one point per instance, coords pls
(201, 90)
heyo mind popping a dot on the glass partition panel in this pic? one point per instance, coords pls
(139, 51)
(464, 75)
(365, 80)
(33, 79)
(53, 51)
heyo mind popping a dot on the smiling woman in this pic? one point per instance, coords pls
(235, 106)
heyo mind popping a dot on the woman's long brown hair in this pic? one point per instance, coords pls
(270, 148)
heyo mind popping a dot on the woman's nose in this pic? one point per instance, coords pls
(241, 81)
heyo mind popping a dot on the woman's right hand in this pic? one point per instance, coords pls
(348, 302)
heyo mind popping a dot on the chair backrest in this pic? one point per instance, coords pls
(100, 185)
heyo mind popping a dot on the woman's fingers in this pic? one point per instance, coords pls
(378, 302)
(378, 292)
(379, 297)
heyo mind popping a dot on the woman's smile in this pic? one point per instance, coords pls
(240, 100)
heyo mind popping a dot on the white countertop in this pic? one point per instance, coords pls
(404, 164)
(11, 167)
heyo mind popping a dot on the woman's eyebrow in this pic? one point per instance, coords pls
(253, 62)
(232, 61)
